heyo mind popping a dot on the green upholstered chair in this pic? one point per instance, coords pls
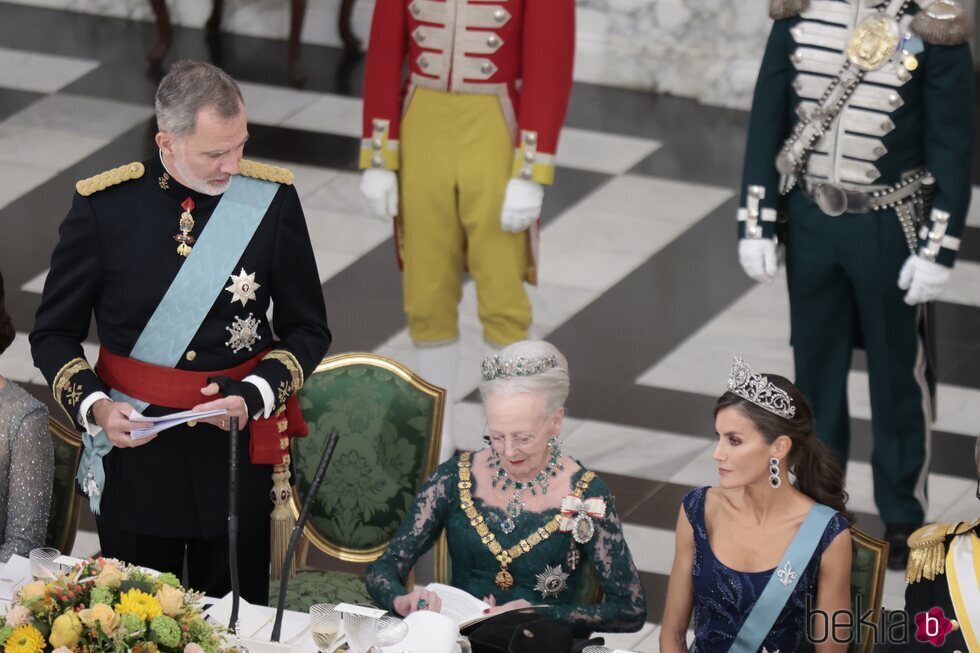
(63, 514)
(390, 426)
(869, 557)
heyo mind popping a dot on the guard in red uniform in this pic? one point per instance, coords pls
(473, 132)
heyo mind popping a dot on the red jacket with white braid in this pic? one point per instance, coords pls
(520, 50)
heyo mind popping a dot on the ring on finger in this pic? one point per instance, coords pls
(422, 604)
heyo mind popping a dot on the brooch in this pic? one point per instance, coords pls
(551, 582)
(577, 515)
(786, 575)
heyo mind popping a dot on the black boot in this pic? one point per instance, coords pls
(897, 536)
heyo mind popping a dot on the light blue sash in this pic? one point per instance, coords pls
(187, 302)
(783, 581)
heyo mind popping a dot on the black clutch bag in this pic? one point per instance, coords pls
(524, 631)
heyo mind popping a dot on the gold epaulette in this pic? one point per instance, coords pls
(927, 550)
(942, 22)
(103, 180)
(265, 172)
(779, 9)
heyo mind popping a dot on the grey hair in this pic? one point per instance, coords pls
(189, 87)
(552, 385)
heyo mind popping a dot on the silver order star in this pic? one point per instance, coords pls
(243, 287)
(551, 582)
(244, 333)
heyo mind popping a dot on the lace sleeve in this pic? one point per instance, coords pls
(31, 471)
(421, 526)
(624, 608)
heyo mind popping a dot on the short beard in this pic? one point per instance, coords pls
(194, 183)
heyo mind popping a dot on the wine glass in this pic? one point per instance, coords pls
(43, 565)
(391, 630)
(324, 625)
(361, 630)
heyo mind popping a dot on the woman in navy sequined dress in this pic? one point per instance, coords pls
(732, 538)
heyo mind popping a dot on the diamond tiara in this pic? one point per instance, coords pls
(495, 367)
(744, 382)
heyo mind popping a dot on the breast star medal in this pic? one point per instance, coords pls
(244, 333)
(874, 41)
(551, 582)
(243, 287)
(186, 224)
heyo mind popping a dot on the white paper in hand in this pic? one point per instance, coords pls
(164, 422)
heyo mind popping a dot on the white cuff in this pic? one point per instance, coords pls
(87, 402)
(266, 391)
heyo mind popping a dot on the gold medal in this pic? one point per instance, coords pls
(873, 42)
(504, 579)
(185, 225)
(910, 62)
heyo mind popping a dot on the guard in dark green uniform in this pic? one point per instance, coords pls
(861, 138)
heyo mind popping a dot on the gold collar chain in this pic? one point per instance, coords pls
(504, 579)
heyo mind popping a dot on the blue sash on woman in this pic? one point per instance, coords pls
(783, 581)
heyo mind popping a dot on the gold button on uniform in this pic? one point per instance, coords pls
(190, 355)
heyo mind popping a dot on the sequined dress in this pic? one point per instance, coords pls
(474, 567)
(26, 471)
(723, 597)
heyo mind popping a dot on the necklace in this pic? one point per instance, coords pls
(516, 504)
(504, 579)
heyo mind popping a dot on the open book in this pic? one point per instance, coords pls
(459, 605)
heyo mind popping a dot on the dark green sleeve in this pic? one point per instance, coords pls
(948, 135)
(420, 528)
(624, 608)
(769, 122)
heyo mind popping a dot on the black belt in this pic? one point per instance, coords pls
(834, 200)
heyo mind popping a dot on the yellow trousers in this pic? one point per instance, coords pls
(456, 159)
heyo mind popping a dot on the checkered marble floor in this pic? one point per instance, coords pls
(640, 286)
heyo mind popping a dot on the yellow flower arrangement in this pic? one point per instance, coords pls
(25, 639)
(139, 603)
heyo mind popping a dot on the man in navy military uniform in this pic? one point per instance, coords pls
(862, 133)
(180, 257)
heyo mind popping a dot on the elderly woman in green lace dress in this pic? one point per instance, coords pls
(522, 519)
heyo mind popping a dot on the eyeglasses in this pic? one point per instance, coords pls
(519, 441)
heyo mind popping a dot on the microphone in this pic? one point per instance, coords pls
(233, 521)
(304, 514)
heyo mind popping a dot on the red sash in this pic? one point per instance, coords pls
(173, 388)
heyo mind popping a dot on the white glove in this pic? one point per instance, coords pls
(522, 205)
(380, 188)
(924, 280)
(759, 258)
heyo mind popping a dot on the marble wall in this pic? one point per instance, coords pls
(706, 49)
